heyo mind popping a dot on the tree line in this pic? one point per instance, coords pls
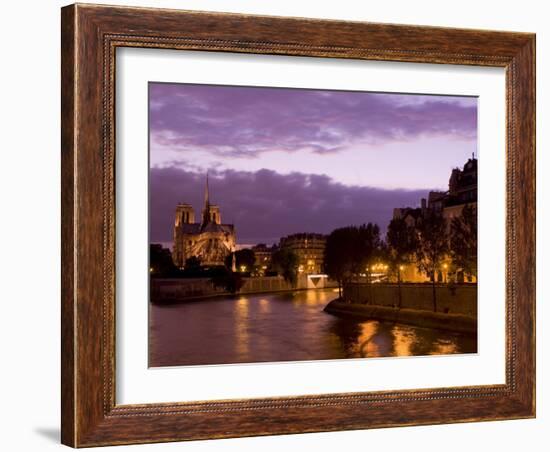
(429, 244)
(284, 262)
(354, 250)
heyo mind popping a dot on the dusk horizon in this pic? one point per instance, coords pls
(284, 160)
(314, 202)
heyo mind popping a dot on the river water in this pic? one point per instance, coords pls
(282, 327)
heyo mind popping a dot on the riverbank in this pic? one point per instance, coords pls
(189, 289)
(232, 296)
(450, 299)
(417, 317)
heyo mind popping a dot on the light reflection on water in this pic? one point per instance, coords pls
(287, 326)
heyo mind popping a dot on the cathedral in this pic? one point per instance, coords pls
(209, 240)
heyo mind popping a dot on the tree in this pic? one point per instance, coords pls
(463, 241)
(339, 249)
(244, 260)
(350, 251)
(285, 262)
(193, 263)
(369, 248)
(402, 242)
(160, 260)
(433, 245)
(230, 281)
(192, 268)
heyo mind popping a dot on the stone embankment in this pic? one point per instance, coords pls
(456, 306)
(182, 289)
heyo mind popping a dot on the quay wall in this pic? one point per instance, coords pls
(457, 299)
(426, 319)
(177, 289)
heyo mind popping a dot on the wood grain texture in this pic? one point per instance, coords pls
(67, 224)
(90, 36)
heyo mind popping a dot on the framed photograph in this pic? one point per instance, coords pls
(281, 225)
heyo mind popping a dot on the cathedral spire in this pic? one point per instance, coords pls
(206, 194)
(206, 216)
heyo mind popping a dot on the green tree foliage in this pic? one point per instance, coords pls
(433, 245)
(350, 250)
(160, 260)
(463, 241)
(244, 258)
(285, 262)
(402, 242)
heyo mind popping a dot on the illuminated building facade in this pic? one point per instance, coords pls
(462, 191)
(263, 257)
(209, 240)
(310, 249)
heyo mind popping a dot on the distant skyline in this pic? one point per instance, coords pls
(291, 160)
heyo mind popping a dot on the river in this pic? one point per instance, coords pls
(288, 326)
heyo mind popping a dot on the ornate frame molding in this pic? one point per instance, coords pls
(90, 37)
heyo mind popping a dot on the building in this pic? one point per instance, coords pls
(263, 257)
(209, 240)
(310, 249)
(436, 200)
(462, 191)
(409, 214)
(463, 184)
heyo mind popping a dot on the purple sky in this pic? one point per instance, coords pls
(294, 160)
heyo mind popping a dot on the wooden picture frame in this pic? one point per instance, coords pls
(90, 36)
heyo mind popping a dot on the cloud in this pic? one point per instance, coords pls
(266, 205)
(234, 121)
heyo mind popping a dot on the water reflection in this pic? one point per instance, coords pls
(241, 327)
(402, 341)
(288, 326)
(264, 306)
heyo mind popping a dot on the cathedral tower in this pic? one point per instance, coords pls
(208, 240)
(210, 212)
(184, 214)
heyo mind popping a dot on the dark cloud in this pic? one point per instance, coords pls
(265, 205)
(246, 121)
